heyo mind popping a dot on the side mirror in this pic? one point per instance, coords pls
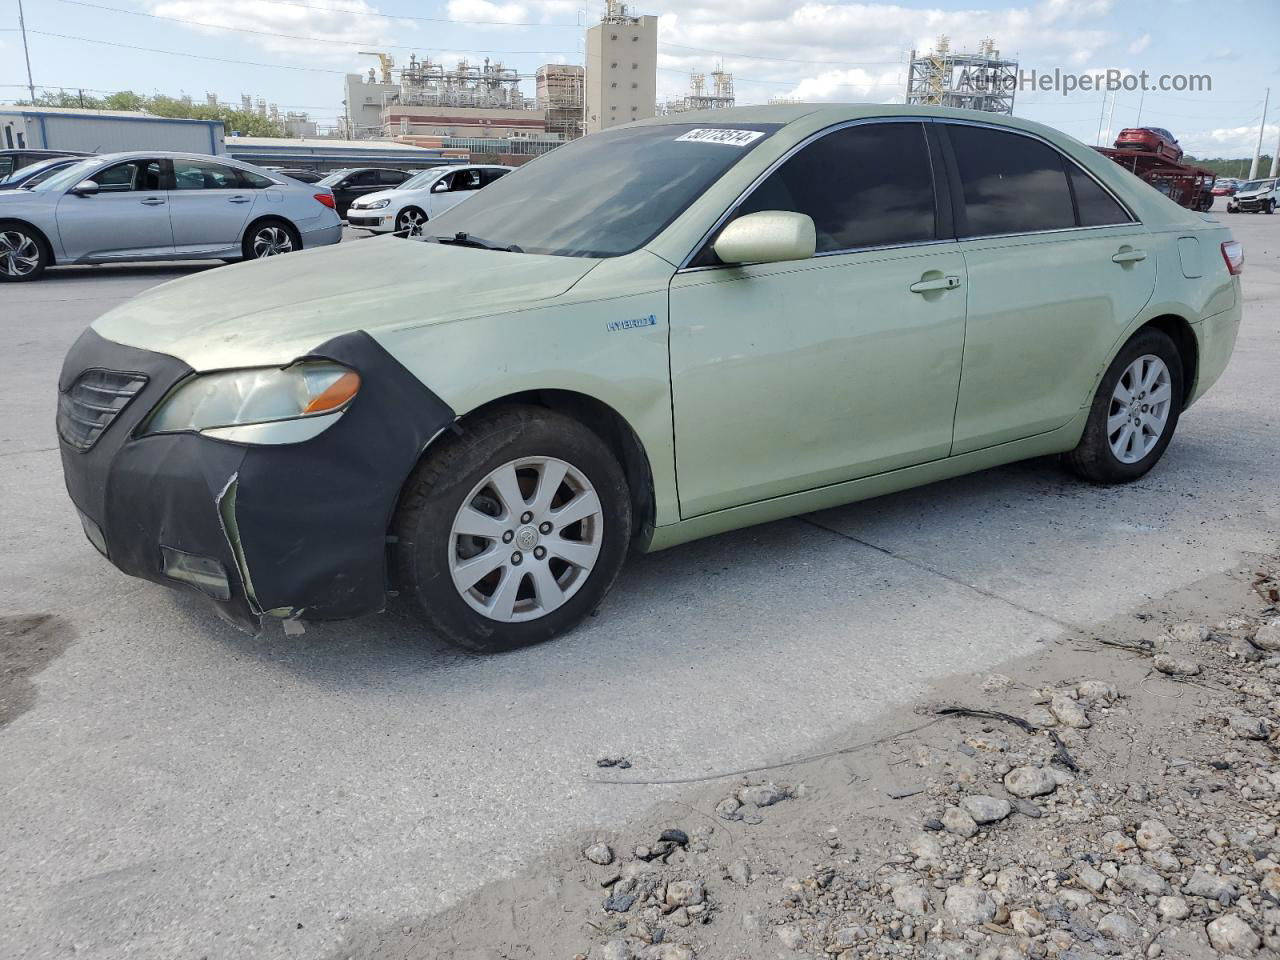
(440, 186)
(85, 188)
(771, 236)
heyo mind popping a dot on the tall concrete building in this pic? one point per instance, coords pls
(622, 69)
(559, 96)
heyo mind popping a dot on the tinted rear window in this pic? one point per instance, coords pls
(1096, 207)
(1011, 183)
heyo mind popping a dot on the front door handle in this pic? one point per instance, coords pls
(153, 201)
(1129, 255)
(238, 200)
(927, 286)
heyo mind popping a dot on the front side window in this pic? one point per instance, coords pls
(606, 194)
(1010, 183)
(869, 185)
(131, 176)
(203, 175)
(465, 180)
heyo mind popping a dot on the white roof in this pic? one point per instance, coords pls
(86, 112)
(323, 143)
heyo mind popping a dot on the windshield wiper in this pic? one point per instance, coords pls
(469, 240)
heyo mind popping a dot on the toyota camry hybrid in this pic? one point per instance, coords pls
(663, 331)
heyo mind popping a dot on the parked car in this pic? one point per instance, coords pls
(159, 206)
(299, 174)
(1150, 139)
(1256, 196)
(423, 197)
(350, 185)
(659, 332)
(33, 173)
(11, 160)
(1225, 188)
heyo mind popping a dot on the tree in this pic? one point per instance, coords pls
(236, 121)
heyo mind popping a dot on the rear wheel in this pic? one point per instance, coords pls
(1134, 412)
(23, 255)
(270, 238)
(512, 533)
(411, 222)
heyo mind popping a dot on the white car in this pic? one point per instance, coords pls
(421, 198)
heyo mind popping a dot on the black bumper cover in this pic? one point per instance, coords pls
(312, 517)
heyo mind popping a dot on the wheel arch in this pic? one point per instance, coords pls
(40, 235)
(603, 420)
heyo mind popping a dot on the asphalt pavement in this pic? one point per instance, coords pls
(178, 789)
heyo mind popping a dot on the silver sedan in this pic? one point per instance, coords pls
(160, 206)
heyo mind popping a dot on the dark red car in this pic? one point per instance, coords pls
(1155, 140)
(1226, 188)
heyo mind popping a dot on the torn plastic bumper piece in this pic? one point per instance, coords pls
(298, 530)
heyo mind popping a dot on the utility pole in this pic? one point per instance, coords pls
(1275, 159)
(22, 26)
(1111, 115)
(1262, 126)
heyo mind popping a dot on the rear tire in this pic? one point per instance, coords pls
(270, 238)
(1124, 438)
(501, 497)
(23, 253)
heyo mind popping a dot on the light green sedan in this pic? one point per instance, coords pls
(653, 334)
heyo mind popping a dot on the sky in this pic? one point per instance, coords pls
(295, 52)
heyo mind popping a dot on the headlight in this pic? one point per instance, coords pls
(239, 397)
(375, 205)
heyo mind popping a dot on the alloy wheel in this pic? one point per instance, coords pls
(412, 221)
(271, 241)
(1140, 406)
(19, 253)
(526, 539)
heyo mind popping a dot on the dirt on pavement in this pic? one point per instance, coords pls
(1115, 794)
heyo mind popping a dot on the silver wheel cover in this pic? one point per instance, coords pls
(19, 254)
(1139, 411)
(525, 539)
(413, 221)
(271, 241)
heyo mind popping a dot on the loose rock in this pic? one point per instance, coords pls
(1030, 782)
(1175, 666)
(600, 853)
(1068, 712)
(984, 809)
(971, 906)
(1230, 934)
(958, 822)
(762, 795)
(1250, 728)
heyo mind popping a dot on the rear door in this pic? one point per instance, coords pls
(354, 186)
(790, 376)
(1057, 269)
(128, 218)
(208, 205)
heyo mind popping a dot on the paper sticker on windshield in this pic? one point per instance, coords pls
(729, 138)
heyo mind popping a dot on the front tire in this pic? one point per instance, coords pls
(23, 254)
(270, 238)
(511, 533)
(1271, 207)
(411, 221)
(1134, 413)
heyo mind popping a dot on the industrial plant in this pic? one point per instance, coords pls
(973, 81)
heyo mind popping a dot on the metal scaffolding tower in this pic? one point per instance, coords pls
(973, 81)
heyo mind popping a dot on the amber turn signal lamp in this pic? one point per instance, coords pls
(337, 394)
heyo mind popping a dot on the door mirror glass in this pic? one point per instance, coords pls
(85, 188)
(441, 186)
(771, 236)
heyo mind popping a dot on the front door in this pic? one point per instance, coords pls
(449, 191)
(1057, 271)
(791, 376)
(208, 206)
(128, 218)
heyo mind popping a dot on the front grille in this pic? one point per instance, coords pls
(358, 221)
(94, 400)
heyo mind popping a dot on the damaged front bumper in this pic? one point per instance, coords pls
(293, 530)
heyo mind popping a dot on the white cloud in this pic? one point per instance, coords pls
(343, 21)
(1230, 142)
(1140, 44)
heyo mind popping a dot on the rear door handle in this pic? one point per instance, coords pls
(153, 201)
(238, 200)
(1129, 256)
(942, 283)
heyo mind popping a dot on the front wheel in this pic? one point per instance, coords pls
(270, 238)
(513, 532)
(1134, 413)
(411, 222)
(22, 253)
(1271, 207)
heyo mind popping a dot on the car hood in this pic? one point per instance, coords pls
(368, 198)
(268, 312)
(1251, 194)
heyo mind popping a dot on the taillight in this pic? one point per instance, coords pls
(1233, 254)
(327, 200)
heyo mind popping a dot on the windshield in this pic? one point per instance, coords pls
(70, 176)
(34, 169)
(419, 180)
(605, 195)
(1256, 185)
